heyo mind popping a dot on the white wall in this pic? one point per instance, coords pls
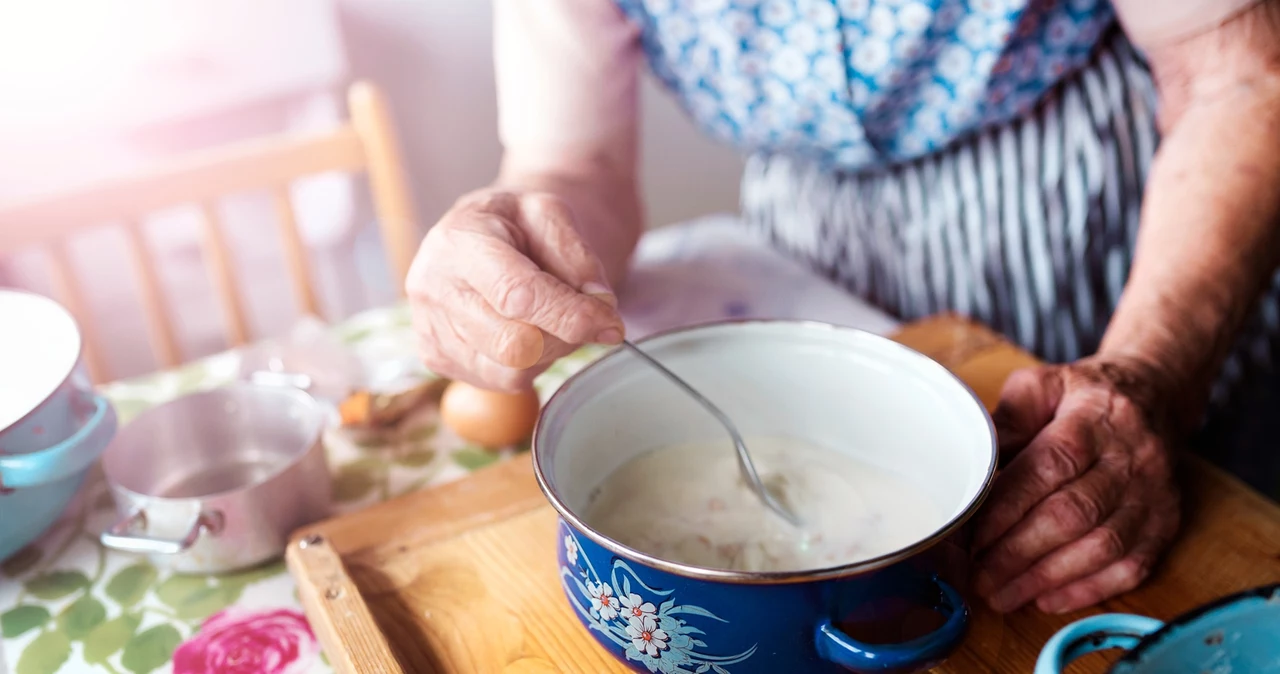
(434, 57)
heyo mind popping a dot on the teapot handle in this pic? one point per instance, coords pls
(1095, 633)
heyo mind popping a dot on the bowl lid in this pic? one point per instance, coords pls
(1249, 616)
(39, 348)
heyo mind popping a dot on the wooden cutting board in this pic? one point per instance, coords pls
(463, 579)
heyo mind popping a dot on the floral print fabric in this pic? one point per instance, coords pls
(230, 642)
(856, 84)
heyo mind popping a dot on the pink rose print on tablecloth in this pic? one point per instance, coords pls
(239, 642)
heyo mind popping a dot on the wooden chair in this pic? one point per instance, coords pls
(367, 142)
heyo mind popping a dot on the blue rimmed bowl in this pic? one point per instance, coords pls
(1238, 633)
(839, 388)
(53, 426)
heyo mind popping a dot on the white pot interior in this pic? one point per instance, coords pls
(39, 348)
(840, 389)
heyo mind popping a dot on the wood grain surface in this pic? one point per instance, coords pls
(462, 578)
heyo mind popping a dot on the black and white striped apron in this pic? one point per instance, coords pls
(1028, 227)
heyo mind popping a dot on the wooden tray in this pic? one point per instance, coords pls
(463, 579)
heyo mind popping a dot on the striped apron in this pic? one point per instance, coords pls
(1028, 227)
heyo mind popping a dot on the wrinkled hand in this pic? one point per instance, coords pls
(1087, 501)
(504, 285)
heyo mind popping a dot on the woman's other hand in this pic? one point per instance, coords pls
(503, 285)
(1086, 501)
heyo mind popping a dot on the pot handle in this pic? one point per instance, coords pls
(1095, 633)
(121, 537)
(835, 646)
(64, 459)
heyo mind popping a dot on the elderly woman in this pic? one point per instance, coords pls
(1100, 182)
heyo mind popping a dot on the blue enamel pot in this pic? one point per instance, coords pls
(53, 426)
(1239, 633)
(836, 388)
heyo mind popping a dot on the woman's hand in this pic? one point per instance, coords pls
(1087, 501)
(503, 285)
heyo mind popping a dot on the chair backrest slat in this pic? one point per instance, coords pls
(247, 166)
(217, 256)
(295, 253)
(371, 119)
(368, 143)
(159, 322)
(67, 289)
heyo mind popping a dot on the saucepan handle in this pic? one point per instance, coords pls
(1095, 633)
(121, 535)
(835, 646)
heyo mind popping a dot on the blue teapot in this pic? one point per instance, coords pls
(1237, 634)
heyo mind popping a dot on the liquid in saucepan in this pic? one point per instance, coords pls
(688, 503)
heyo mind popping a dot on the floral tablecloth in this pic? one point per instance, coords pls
(69, 605)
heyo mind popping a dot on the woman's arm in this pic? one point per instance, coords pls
(521, 273)
(567, 76)
(1087, 501)
(599, 186)
(1209, 241)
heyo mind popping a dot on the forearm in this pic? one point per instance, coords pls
(602, 190)
(567, 74)
(1210, 233)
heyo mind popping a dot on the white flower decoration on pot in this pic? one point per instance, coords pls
(636, 607)
(571, 550)
(603, 601)
(646, 636)
(659, 637)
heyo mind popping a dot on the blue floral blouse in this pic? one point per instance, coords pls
(862, 83)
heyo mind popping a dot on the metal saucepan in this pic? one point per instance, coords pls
(217, 480)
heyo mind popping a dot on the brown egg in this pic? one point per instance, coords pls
(488, 418)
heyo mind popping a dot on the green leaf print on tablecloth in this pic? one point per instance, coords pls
(131, 583)
(417, 447)
(416, 458)
(56, 584)
(195, 598)
(22, 619)
(150, 649)
(109, 637)
(250, 576)
(474, 458)
(45, 655)
(81, 617)
(354, 481)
